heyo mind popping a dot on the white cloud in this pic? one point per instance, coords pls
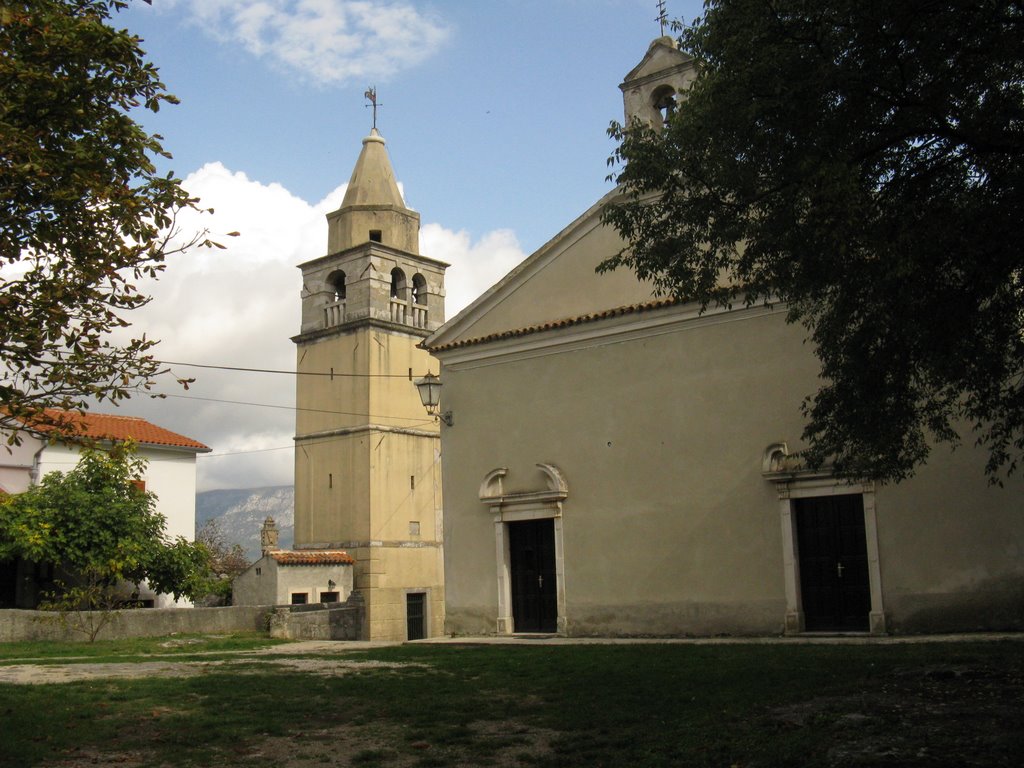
(475, 267)
(239, 307)
(328, 41)
(235, 307)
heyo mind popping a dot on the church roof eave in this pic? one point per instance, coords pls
(449, 332)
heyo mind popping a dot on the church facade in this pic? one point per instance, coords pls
(367, 476)
(625, 465)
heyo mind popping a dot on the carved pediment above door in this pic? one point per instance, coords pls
(550, 491)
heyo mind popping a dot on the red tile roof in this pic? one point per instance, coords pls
(563, 323)
(312, 557)
(103, 426)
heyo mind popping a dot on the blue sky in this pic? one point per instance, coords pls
(495, 115)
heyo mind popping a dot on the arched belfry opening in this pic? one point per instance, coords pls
(398, 284)
(419, 289)
(336, 280)
(663, 100)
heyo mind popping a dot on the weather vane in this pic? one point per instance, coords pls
(371, 96)
(662, 18)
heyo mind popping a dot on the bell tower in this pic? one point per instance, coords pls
(654, 87)
(367, 471)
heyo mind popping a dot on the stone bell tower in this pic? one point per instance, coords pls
(367, 472)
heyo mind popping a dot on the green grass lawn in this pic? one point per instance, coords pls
(135, 649)
(594, 705)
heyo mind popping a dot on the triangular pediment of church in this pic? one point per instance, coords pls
(558, 282)
(662, 55)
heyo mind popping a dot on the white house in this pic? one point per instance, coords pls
(170, 474)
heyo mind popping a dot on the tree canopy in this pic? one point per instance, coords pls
(97, 524)
(227, 560)
(862, 163)
(83, 211)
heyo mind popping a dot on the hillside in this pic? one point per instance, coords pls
(241, 512)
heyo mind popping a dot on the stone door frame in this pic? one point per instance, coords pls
(794, 482)
(545, 503)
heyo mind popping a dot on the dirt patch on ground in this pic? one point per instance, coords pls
(944, 715)
(36, 674)
(501, 744)
(504, 744)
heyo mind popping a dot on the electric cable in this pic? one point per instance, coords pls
(328, 374)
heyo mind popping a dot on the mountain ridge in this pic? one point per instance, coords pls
(240, 513)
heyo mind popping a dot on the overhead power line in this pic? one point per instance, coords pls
(329, 374)
(240, 453)
(296, 408)
(280, 447)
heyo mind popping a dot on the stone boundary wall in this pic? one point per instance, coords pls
(320, 621)
(18, 624)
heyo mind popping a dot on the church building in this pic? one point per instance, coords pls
(621, 464)
(367, 474)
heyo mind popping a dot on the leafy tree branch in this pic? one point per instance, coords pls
(862, 163)
(84, 214)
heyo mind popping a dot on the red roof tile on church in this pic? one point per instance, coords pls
(552, 324)
(103, 426)
(312, 557)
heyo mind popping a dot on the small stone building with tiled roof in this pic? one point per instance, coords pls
(622, 465)
(294, 577)
(170, 474)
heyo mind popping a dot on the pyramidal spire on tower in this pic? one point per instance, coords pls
(373, 210)
(373, 180)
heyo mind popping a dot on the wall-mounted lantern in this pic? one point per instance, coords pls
(430, 395)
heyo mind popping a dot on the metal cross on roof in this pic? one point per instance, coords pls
(662, 17)
(371, 96)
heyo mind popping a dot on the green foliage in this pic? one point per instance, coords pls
(83, 212)
(95, 523)
(861, 162)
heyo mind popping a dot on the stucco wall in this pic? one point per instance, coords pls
(313, 580)
(369, 481)
(669, 527)
(256, 585)
(952, 547)
(16, 462)
(559, 282)
(265, 582)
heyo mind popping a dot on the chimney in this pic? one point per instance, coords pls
(268, 536)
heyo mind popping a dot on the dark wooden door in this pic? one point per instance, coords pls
(835, 592)
(8, 583)
(415, 615)
(532, 554)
